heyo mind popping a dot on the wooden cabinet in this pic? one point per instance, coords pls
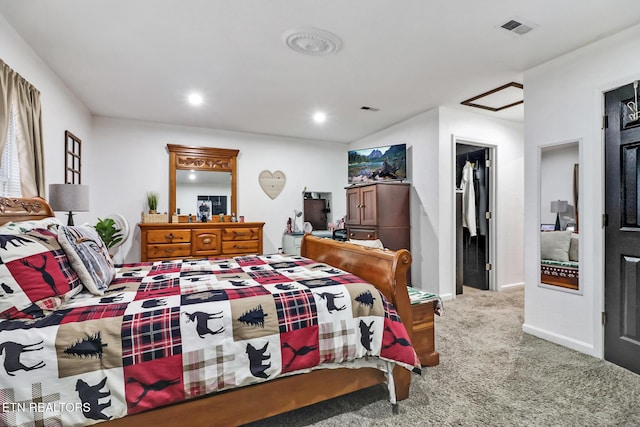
(380, 211)
(209, 239)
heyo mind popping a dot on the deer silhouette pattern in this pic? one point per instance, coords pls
(201, 318)
(330, 298)
(12, 351)
(42, 269)
(14, 239)
(147, 388)
(298, 352)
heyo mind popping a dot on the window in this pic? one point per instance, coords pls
(9, 164)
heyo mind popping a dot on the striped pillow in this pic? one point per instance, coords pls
(89, 257)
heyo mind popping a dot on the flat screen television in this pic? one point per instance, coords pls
(388, 163)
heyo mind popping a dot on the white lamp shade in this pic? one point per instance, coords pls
(69, 197)
(559, 206)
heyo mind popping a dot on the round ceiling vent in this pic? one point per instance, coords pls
(312, 41)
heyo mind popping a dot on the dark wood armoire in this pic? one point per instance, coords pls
(380, 211)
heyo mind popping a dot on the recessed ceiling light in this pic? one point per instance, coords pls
(319, 117)
(195, 99)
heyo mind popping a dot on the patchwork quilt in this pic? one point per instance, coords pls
(168, 331)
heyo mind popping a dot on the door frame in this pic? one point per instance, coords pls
(560, 145)
(492, 236)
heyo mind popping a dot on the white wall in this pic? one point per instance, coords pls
(556, 180)
(431, 159)
(61, 110)
(563, 102)
(130, 158)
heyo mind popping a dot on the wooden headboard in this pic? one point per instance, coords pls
(23, 209)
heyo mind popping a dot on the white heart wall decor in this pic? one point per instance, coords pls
(272, 183)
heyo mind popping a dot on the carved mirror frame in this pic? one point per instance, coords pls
(210, 159)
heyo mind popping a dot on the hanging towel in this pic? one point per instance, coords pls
(468, 199)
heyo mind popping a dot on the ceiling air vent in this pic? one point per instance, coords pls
(364, 107)
(517, 27)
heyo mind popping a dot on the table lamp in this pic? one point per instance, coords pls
(558, 207)
(70, 198)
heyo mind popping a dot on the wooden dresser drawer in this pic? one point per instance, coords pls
(205, 242)
(240, 247)
(198, 239)
(169, 250)
(362, 234)
(240, 233)
(168, 236)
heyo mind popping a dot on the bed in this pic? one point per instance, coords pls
(93, 355)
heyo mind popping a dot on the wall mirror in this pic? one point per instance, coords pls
(560, 216)
(202, 181)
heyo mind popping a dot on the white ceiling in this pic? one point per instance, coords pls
(138, 59)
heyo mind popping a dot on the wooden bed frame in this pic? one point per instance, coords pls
(385, 269)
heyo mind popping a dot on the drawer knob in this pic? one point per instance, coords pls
(206, 240)
(168, 251)
(240, 233)
(240, 246)
(169, 236)
(351, 234)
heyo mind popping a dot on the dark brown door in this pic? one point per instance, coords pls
(622, 234)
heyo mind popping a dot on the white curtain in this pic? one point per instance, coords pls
(16, 91)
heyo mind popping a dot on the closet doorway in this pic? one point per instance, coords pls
(474, 177)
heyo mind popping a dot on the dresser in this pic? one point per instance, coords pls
(198, 239)
(379, 211)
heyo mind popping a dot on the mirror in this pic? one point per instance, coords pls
(203, 193)
(559, 216)
(202, 181)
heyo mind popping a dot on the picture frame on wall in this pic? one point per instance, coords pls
(547, 227)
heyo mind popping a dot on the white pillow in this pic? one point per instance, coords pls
(377, 244)
(49, 223)
(554, 245)
(573, 247)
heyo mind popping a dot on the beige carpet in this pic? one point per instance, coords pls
(491, 374)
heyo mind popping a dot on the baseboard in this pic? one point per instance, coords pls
(446, 297)
(512, 286)
(571, 343)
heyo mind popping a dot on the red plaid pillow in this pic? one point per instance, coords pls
(35, 275)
